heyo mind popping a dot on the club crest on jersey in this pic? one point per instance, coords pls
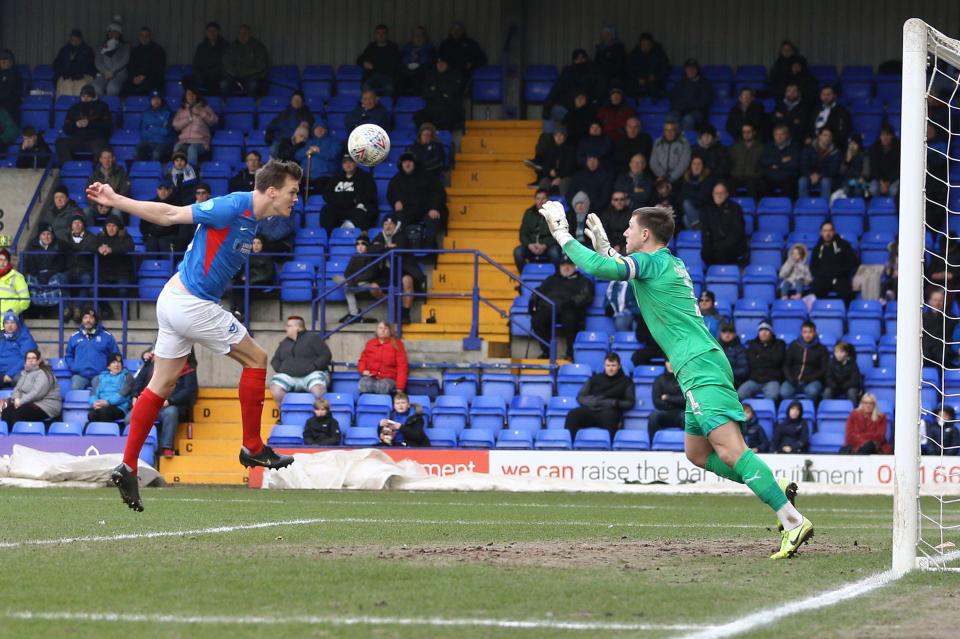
(233, 328)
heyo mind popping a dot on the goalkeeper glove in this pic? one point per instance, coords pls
(556, 219)
(598, 237)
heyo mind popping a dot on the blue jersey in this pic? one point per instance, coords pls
(221, 244)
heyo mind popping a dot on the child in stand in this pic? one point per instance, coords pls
(404, 426)
(795, 273)
(322, 429)
(753, 433)
(792, 435)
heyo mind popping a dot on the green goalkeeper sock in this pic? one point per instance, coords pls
(716, 466)
(758, 478)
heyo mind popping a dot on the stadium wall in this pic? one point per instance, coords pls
(305, 31)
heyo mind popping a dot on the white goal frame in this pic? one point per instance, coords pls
(919, 40)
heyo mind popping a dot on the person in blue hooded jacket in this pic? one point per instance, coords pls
(16, 341)
(282, 126)
(88, 350)
(324, 151)
(156, 131)
(110, 392)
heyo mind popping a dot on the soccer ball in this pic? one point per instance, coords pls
(368, 144)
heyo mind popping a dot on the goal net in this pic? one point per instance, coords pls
(926, 532)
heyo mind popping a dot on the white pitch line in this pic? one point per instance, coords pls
(333, 620)
(765, 617)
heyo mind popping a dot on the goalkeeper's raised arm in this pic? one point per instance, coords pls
(605, 262)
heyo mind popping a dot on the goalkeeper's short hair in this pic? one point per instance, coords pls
(658, 219)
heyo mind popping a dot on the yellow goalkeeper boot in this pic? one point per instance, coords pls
(789, 489)
(793, 539)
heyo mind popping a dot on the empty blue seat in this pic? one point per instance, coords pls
(826, 442)
(882, 205)
(28, 428)
(460, 383)
(451, 405)
(747, 314)
(834, 409)
(865, 316)
(501, 384)
(77, 399)
(286, 435)
(360, 436)
(631, 440)
(553, 439)
(828, 315)
(849, 205)
(109, 429)
(441, 437)
(515, 439)
(766, 248)
(488, 412)
(536, 386)
(64, 428)
(592, 439)
(671, 439)
(557, 409)
(477, 438)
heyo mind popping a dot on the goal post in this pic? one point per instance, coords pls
(924, 49)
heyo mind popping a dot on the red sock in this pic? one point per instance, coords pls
(144, 413)
(252, 383)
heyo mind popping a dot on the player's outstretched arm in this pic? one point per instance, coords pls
(609, 268)
(153, 212)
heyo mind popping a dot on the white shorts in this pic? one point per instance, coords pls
(184, 320)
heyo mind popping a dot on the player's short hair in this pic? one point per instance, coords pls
(658, 220)
(321, 403)
(275, 173)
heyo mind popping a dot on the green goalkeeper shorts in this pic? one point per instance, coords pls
(707, 383)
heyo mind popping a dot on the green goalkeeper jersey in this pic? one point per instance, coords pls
(665, 294)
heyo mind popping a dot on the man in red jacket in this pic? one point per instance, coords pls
(383, 363)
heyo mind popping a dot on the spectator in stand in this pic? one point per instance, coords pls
(8, 129)
(301, 362)
(461, 51)
(885, 164)
(73, 67)
(649, 67)
(596, 144)
(571, 293)
(745, 157)
(148, 63)
(208, 61)
(11, 85)
(428, 151)
(795, 277)
(691, 97)
(156, 130)
(80, 246)
(14, 294)
(670, 156)
(192, 123)
(183, 175)
(177, 407)
(555, 161)
(610, 57)
(381, 62)
(833, 265)
(404, 425)
(805, 365)
(322, 429)
(34, 151)
(158, 238)
(578, 220)
(412, 278)
(940, 435)
(780, 162)
(88, 349)
(780, 72)
(712, 318)
(417, 198)
(579, 78)
(766, 354)
(753, 434)
(283, 124)
(807, 84)
(245, 65)
(891, 272)
(937, 327)
(44, 266)
(110, 392)
(244, 180)
(351, 198)
(287, 148)
(17, 341)
(369, 111)
(615, 219)
(866, 429)
(362, 279)
(648, 351)
(277, 233)
(736, 353)
(593, 180)
(603, 399)
(107, 171)
(854, 170)
(747, 109)
(417, 57)
(614, 114)
(637, 183)
(383, 363)
(695, 192)
(579, 118)
(715, 155)
(820, 165)
(723, 230)
(792, 111)
(86, 127)
(831, 115)
(115, 248)
(443, 93)
(632, 142)
(621, 304)
(111, 61)
(262, 274)
(666, 197)
(36, 397)
(324, 151)
(843, 374)
(668, 402)
(792, 435)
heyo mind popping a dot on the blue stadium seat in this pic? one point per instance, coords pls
(67, 429)
(874, 246)
(882, 205)
(773, 214)
(109, 429)
(536, 386)
(851, 205)
(451, 421)
(828, 315)
(286, 435)
(535, 272)
(487, 85)
(296, 281)
(747, 314)
(76, 398)
(539, 80)
(760, 283)
(766, 248)
(724, 281)
(28, 428)
(371, 409)
(360, 436)
(501, 384)
(671, 439)
(834, 409)
(826, 442)
(866, 346)
(592, 439)
(477, 438)
(488, 412)
(515, 439)
(590, 347)
(865, 316)
(460, 383)
(526, 412)
(557, 409)
(631, 440)
(239, 113)
(441, 437)
(553, 439)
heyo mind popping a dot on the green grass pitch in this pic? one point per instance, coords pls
(362, 564)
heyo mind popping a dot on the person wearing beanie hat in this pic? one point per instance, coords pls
(417, 198)
(765, 354)
(114, 267)
(111, 61)
(571, 293)
(14, 294)
(350, 197)
(282, 126)
(42, 263)
(15, 341)
(443, 89)
(147, 64)
(87, 126)
(555, 161)
(73, 67)
(362, 279)
(110, 392)
(156, 130)
(208, 60)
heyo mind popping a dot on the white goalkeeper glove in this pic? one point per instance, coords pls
(556, 219)
(598, 237)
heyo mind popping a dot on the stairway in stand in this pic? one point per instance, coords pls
(487, 197)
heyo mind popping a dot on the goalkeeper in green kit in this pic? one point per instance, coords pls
(664, 292)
